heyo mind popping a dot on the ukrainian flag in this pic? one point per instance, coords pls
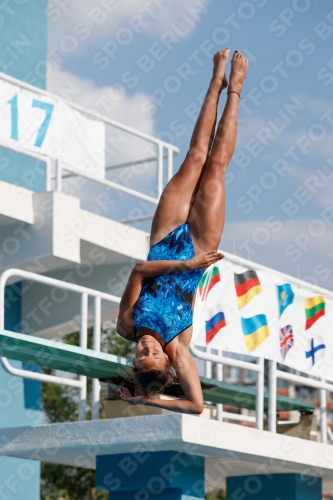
(255, 331)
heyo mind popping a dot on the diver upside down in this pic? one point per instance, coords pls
(156, 309)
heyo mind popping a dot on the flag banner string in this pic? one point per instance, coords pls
(265, 314)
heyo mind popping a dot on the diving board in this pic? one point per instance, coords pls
(59, 356)
(94, 364)
(245, 397)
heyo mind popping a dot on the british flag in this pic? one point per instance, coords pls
(286, 340)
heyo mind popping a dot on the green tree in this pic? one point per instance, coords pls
(215, 495)
(60, 404)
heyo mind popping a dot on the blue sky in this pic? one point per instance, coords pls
(151, 60)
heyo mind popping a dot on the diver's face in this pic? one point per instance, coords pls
(149, 354)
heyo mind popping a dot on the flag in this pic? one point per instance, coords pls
(285, 296)
(247, 286)
(313, 350)
(214, 325)
(286, 340)
(255, 331)
(314, 309)
(208, 280)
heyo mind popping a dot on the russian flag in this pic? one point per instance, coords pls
(214, 325)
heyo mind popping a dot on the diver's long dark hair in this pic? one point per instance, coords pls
(149, 381)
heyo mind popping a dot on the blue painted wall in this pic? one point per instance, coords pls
(164, 475)
(19, 406)
(23, 48)
(274, 487)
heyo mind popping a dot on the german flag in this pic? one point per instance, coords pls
(314, 309)
(208, 280)
(247, 286)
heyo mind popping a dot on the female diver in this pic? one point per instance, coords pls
(156, 307)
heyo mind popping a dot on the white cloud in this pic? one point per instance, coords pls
(91, 21)
(108, 101)
(301, 248)
(125, 109)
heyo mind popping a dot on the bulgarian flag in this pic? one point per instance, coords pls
(314, 309)
(208, 280)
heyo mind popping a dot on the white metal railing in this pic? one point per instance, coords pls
(161, 147)
(61, 167)
(257, 367)
(36, 156)
(322, 386)
(85, 293)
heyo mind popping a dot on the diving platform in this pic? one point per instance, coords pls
(229, 450)
(100, 365)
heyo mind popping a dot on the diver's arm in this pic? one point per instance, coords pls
(189, 380)
(188, 377)
(125, 323)
(157, 267)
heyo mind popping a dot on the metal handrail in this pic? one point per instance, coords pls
(321, 385)
(60, 167)
(235, 259)
(36, 156)
(89, 112)
(257, 367)
(274, 374)
(160, 144)
(85, 293)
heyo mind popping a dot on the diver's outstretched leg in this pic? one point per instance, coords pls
(207, 214)
(174, 205)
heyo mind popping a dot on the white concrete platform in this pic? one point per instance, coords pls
(49, 233)
(230, 449)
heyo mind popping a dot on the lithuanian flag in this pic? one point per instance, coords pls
(208, 280)
(314, 309)
(247, 286)
(255, 331)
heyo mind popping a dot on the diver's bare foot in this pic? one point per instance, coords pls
(220, 61)
(239, 66)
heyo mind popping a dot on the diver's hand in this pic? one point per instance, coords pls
(132, 400)
(204, 260)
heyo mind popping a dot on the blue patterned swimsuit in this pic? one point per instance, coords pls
(165, 302)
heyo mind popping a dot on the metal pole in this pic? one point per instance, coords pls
(83, 343)
(208, 365)
(260, 395)
(170, 164)
(323, 415)
(58, 176)
(96, 347)
(219, 406)
(48, 174)
(272, 396)
(160, 170)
